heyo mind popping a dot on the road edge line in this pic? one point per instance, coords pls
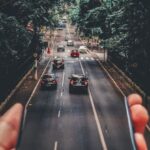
(98, 124)
(15, 89)
(35, 88)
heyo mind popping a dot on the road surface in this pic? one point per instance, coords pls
(58, 120)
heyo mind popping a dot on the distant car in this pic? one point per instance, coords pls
(49, 81)
(60, 48)
(78, 82)
(74, 53)
(58, 63)
(70, 43)
(66, 38)
(61, 26)
(83, 49)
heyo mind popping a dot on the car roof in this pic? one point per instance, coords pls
(61, 45)
(49, 75)
(82, 47)
(78, 75)
(58, 58)
(70, 41)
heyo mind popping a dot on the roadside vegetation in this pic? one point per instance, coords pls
(122, 28)
(20, 24)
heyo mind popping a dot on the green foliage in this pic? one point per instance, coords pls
(122, 26)
(11, 35)
(16, 43)
(73, 14)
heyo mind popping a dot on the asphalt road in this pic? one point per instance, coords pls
(58, 120)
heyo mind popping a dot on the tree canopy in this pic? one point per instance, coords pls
(123, 28)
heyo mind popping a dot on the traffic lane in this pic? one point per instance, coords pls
(41, 121)
(76, 127)
(110, 108)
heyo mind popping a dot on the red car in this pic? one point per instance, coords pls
(75, 53)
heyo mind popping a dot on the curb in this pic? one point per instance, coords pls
(113, 81)
(15, 89)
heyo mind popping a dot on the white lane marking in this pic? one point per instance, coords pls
(35, 88)
(59, 114)
(101, 136)
(50, 70)
(55, 145)
(61, 94)
(99, 128)
(82, 68)
(148, 128)
(37, 84)
(63, 79)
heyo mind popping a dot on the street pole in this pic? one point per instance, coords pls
(35, 66)
(35, 74)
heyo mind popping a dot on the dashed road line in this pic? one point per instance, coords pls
(61, 94)
(98, 124)
(59, 113)
(63, 79)
(101, 136)
(55, 145)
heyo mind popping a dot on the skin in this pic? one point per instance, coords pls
(134, 99)
(10, 124)
(9, 127)
(140, 118)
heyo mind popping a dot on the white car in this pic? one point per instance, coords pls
(83, 49)
(70, 43)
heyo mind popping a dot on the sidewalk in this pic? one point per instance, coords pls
(24, 91)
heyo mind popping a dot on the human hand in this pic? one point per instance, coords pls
(139, 117)
(9, 127)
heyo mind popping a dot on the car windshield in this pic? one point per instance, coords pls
(60, 46)
(48, 76)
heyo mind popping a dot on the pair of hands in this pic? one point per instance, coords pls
(10, 124)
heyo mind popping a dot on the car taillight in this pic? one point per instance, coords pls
(54, 81)
(86, 82)
(71, 82)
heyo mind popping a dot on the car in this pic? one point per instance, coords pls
(78, 82)
(70, 43)
(83, 49)
(74, 53)
(58, 63)
(66, 38)
(60, 48)
(49, 81)
(61, 25)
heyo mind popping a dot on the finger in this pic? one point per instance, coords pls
(9, 126)
(140, 142)
(134, 99)
(140, 117)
